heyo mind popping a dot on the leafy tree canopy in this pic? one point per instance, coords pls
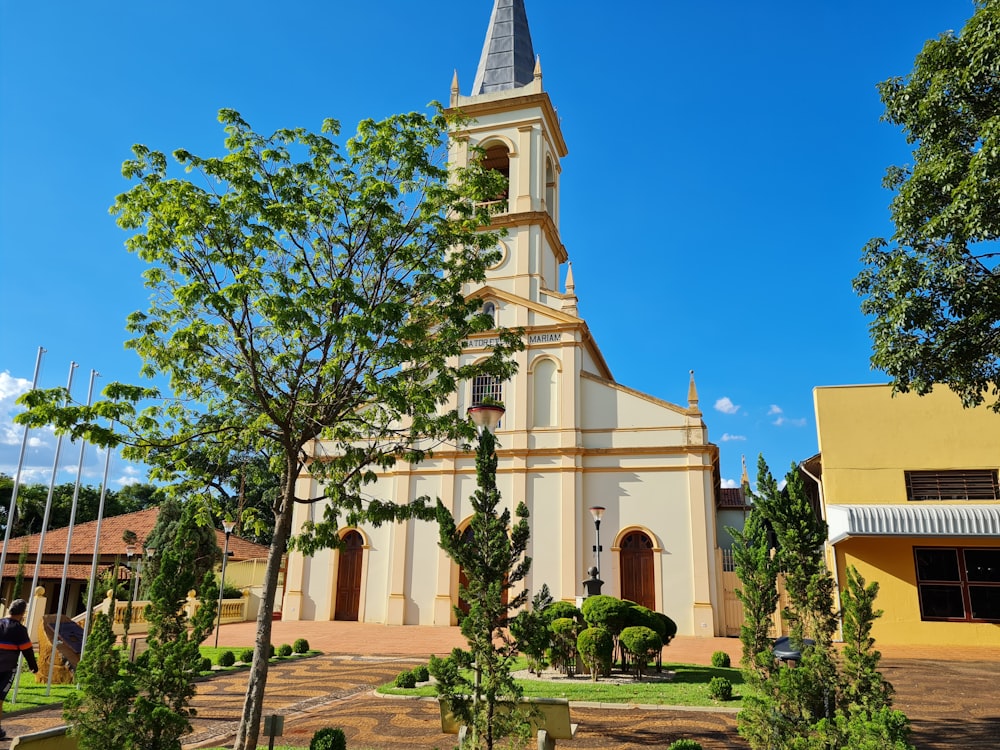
(302, 290)
(932, 287)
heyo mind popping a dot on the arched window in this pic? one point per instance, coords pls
(550, 188)
(497, 158)
(489, 308)
(545, 390)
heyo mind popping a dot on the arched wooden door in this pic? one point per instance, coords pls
(349, 577)
(637, 582)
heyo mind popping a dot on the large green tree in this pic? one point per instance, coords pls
(302, 290)
(932, 288)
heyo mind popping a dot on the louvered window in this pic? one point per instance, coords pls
(968, 484)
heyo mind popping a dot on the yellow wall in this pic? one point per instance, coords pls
(889, 560)
(868, 438)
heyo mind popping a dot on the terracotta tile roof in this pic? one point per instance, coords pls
(141, 522)
(732, 497)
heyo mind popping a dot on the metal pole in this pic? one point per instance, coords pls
(17, 482)
(45, 524)
(222, 585)
(97, 549)
(69, 542)
(597, 548)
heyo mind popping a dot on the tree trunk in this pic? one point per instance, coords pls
(249, 730)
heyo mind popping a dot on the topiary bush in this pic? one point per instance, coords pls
(270, 650)
(562, 644)
(667, 629)
(226, 659)
(300, 646)
(206, 665)
(406, 680)
(720, 689)
(246, 655)
(685, 745)
(284, 650)
(328, 739)
(721, 659)
(606, 612)
(421, 673)
(596, 647)
(561, 609)
(642, 644)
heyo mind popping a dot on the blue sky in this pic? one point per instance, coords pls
(738, 146)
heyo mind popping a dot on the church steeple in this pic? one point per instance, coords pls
(508, 59)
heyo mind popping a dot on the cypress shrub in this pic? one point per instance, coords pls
(246, 655)
(284, 650)
(721, 659)
(328, 739)
(300, 646)
(227, 659)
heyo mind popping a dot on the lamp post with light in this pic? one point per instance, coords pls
(597, 512)
(227, 526)
(130, 550)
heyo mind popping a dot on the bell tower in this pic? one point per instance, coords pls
(511, 118)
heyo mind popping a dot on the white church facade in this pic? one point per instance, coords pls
(572, 438)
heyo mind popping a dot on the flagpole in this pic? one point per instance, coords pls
(69, 540)
(17, 481)
(97, 549)
(45, 522)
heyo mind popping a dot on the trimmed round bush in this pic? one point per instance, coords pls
(596, 645)
(328, 739)
(667, 629)
(284, 650)
(638, 615)
(227, 659)
(562, 644)
(721, 659)
(406, 680)
(685, 745)
(606, 612)
(720, 689)
(246, 655)
(300, 646)
(561, 609)
(642, 643)
(270, 650)
(206, 665)
(421, 673)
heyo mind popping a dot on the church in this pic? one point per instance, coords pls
(612, 478)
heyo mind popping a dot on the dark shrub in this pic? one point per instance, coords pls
(642, 644)
(596, 647)
(667, 629)
(300, 646)
(421, 673)
(562, 648)
(639, 616)
(721, 659)
(284, 650)
(685, 745)
(406, 680)
(231, 592)
(246, 655)
(206, 665)
(227, 659)
(720, 689)
(270, 650)
(328, 739)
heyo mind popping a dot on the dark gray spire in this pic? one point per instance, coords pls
(508, 60)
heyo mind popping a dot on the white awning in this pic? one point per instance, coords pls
(846, 521)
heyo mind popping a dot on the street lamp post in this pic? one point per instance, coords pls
(228, 527)
(130, 550)
(597, 512)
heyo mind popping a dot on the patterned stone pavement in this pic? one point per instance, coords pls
(953, 702)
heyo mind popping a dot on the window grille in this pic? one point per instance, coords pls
(967, 484)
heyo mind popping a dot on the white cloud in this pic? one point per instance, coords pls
(726, 406)
(726, 437)
(729, 484)
(775, 409)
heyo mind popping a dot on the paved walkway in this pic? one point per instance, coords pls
(952, 702)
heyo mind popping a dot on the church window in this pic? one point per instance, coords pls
(497, 158)
(485, 388)
(550, 189)
(489, 308)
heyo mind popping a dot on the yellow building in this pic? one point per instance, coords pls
(910, 492)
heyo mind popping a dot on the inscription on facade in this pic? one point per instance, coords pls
(535, 338)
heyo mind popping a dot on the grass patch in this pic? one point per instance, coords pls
(688, 688)
(31, 694)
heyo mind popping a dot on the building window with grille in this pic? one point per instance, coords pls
(486, 388)
(964, 484)
(958, 583)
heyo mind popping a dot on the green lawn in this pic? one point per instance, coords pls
(688, 688)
